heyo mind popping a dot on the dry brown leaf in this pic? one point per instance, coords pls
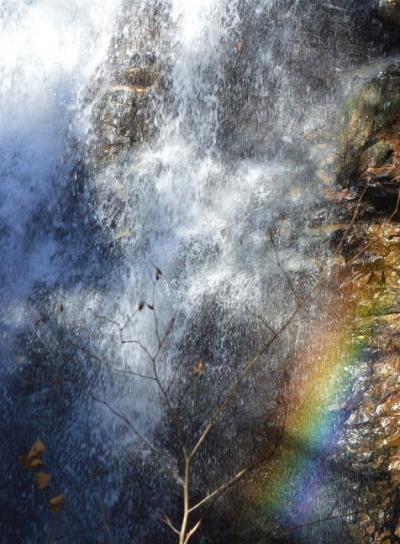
(42, 480)
(35, 462)
(199, 368)
(56, 503)
(29, 462)
(37, 449)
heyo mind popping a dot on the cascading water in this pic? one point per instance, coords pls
(196, 222)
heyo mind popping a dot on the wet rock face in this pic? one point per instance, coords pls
(126, 98)
(369, 161)
(326, 40)
(370, 141)
(127, 107)
(389, 11)
(370, 441)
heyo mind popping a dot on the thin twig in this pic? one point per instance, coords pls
(96, 358)
(353, 219)
(324, 520)
(396, 208)
(124, 418)
(192, 532)
(169, 524)
(123, 340)
(105, 522)
(237, 383)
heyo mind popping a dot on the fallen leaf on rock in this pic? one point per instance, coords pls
(29, 462)
(37, 449)
(42, 480)
(56, 503)
(199, 368)
(33, 460)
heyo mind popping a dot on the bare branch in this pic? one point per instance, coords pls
(221, 489)
(237, 383)
(324, 520)
(242, 473)
(105, 522)
(192, 532)
(395, 211)
(124, 418)
(96, 358)
(155, 314)
(282, 269)
(353, 219)
(121, 329)
(169, 523)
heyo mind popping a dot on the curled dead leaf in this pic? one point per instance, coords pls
(29, 463)
(33, 459)
(42, 480)
(56, 503)
(37, 449)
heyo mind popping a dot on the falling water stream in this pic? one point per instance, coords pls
(197, 223)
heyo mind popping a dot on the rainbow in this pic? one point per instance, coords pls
(326, 373)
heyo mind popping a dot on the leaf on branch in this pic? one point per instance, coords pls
(56, 503)
(158, 273)
(199, 368)
(42, 480)
(141, 305)
(150, 306)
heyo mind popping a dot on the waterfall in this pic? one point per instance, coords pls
(209, 221)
